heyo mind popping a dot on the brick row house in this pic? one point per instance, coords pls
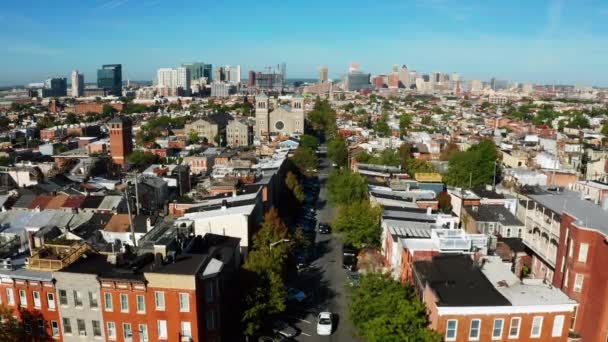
(73, 292)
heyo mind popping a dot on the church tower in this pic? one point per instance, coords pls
(261, 115)
(297, 108)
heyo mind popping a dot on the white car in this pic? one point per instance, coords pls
(324, 324)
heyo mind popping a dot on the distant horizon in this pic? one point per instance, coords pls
(539, 42)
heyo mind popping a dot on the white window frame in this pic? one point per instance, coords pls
(140, 309)
(78, 300)
(537, 323)
(159, 296)
(82, 332)
(579, 279)
(447, 330)
(143, 333)
(126, 327)
(98, 328)
(502, 328)
(10, 296)
(108, 305)
(583, 251)
(93, 300)
(22, 298)
(111, 326)
(37, 299)
(161, 326)
(54, 329)
(69, 330)
(512, 336)
(558, 326)
(476, 337)
(64, 296)
(186, 328)
(50, 301)
(184, 302)
(124, 302)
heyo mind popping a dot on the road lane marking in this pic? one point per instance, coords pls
(300, 319)
(305, 334)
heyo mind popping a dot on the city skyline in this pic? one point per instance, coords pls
(545, 42)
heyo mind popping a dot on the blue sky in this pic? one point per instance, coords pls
(543, 41)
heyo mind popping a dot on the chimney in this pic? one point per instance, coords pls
(429, 210)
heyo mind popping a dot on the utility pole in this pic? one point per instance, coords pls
(470, 179)
(136, 194)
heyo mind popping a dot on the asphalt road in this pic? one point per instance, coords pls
(324, 281)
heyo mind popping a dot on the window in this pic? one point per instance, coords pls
(141, 304)
(578, 282)
(537, 326)
(474, 331)
(514, 328)
(41, 329)
(566, 278)
(77, 299)
(82, 330)
(209, 291)
(22, 298)
(558, 326)
(184, 302)
(50, 301)
(10, 297)
(162, 329)
(67, 326)
(186, 329)
(127, 333)
(124, 302)
(571, 249)
(159, 298)
(93, 300)
(54, 328)
(63, 298)
(37, 301)
(143, 333)
(111, 330)
(107, 298)
(211, 319)
(450, 331)
(27, 325)
(96, 328)
(497, 329)
(583, 249)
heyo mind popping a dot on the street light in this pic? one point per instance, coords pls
(277, 242)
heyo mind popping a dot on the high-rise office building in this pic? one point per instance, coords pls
(55, 87)
(199, 70)
(109, 77)
(234, 74)
(284, 72)
(77, 84)
(251, 79)
(174, 79)
(404, 77)
(323, 74)
(357, 80)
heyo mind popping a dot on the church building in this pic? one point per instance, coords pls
(279, 120)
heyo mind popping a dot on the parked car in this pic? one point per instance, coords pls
(283, 328)
(324, 324)
(324, 228)
(349, 257)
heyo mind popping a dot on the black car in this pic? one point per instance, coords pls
(349, 257)
(324, 228)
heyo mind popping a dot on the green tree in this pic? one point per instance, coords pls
(427, 120)
(474, 166)
(383, 309)
(10, 329)
(405, 121)
(293, 184)
(337, 151)
(448, 151)
(193, 137)
(445, 202)
(264, 293)
(405, 153)
(382, 127)
(71, 119)
(141, 159)
(414, 166)
(305, 160)
(578, 121)
(605, 128)
(108, 111)
(309, 141)
(344, 186)
(359, 222)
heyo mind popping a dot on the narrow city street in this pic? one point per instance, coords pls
(324, 281)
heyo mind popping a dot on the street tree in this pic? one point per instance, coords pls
(360, 223)
(305, 160)
(474, 167)
(344, 186)
(337, 151)
(309, 141)
(383, 309)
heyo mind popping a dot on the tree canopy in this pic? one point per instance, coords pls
(405, 121)
(344, 186)
(309, 141)
(141, 159)
(305, 160)
(322, 118)
(474, 166)
(385, 310)
(337, 151)
(359, 221)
